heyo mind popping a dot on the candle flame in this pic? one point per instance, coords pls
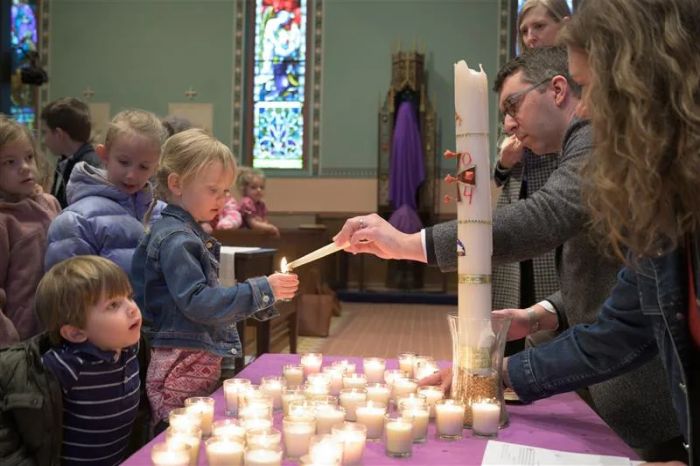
(283, 265)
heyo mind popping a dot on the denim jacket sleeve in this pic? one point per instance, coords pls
(620, 340)
(181, 256)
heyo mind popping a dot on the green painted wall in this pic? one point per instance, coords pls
(358, 36)
(144, 53)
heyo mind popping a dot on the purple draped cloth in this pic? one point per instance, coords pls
(406, 170)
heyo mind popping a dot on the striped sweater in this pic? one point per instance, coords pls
(100, 401)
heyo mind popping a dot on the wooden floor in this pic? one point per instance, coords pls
(385, 330)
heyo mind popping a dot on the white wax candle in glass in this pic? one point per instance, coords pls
(231, 428)
(403, 387)
(318, 378)
(191, 437)
(256, 423)
(371, 414)
(423, 366)
(272, 386)
(406, 363)
(293, 374)
(354, 380)
(350, 398)
(485, 418)
(398, 437)
(269, 439)
(297, 436)
(329, 400)
(335, 376)
(354, 437)
(374, 369)
(311, 362)
(232, 387)
(315, 391)
(378, 392)
(163, 454)
(346, 366)
(419, 417)
(260, 457)
(327, 417)
(449, 419)
(259, 407)
(248, 394)
(301, 411)
(432, 395)
(289, 395)
(223, 451)
(412, 400)
(183, 419)
(392, 374)
(203, 405)
(325, 449)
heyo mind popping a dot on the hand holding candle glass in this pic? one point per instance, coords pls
(284, 284)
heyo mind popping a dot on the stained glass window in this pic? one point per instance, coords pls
(278, 85)
(24, 39)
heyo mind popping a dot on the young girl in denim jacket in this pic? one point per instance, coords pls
(189, 317)
(25, 214)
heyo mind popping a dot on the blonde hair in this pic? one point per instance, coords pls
(135, 121)
(186, 154)
(68, 290)
(556, 9)
(11, 131)
(245, 177)
(644, 103)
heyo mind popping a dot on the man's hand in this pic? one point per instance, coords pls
(511, 152)
(442, 378)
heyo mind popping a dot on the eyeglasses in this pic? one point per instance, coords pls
(511, 104)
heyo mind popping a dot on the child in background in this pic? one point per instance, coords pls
(190, 317)
(25, 214)
(72, 394)
(107, 207)
(251, 185)
(228, 218)
(66, 132)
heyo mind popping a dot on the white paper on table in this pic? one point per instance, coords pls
(227, 263)
(502, 453)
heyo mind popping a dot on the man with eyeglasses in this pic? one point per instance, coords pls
(539, 100)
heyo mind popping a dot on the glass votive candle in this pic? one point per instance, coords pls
(432, 395)
(378, 392)
(269, 439)
(354, 380)
(224, 451)
(248, 394)
(262, 457)
(316, 390)
(419, 417)
(203, 405)
(327, 417)
(297, 436)
(346, 366)
(293, 374)
(258, 407)
(371, 414)
(424, 366)
(374, 369)
(324, 400)
(230, 428)
(404, 387)
(325, 449)
(311, 363)
(398, 437)
(289, 395)
(191, 437)
(486, 415)
(301, 411)
(411, 400)
(353, 437)
(350, 399)
(183, 419)
(335, 375)
(392, 374)
(307, 461)
(232, 387)
(406, 362)
(449, 419)
(257, 423)
(272, 386)
(164, 454)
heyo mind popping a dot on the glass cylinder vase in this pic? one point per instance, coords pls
(477, 361)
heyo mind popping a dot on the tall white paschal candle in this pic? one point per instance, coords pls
(475, 245)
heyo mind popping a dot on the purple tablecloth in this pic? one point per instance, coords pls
(562, 422)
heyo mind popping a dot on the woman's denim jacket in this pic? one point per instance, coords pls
(175, 275)
(645, 314)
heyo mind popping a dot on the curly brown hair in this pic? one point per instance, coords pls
(644, 104)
